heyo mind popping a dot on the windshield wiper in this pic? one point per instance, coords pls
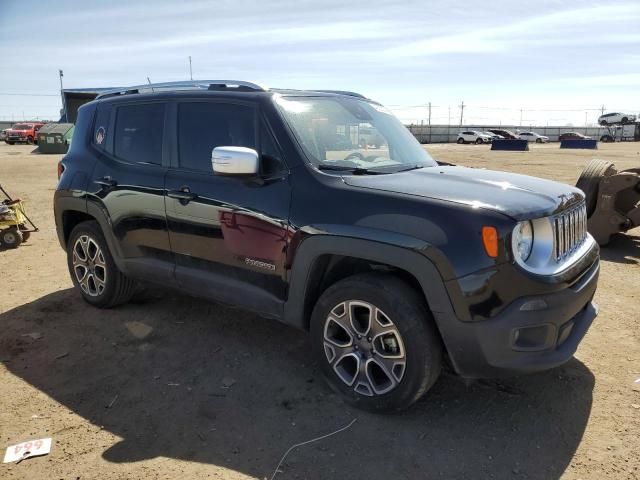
(354, 170)
(412, 167)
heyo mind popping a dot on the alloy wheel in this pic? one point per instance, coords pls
(89, 266)
(364, 348)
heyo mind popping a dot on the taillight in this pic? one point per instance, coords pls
(60, 169)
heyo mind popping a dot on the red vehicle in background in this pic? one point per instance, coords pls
(25, 132)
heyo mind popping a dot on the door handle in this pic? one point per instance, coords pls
(105, 182)
(184, 195)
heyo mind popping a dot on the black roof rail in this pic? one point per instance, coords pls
(239, 85)
(342, 92)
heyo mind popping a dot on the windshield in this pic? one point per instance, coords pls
(21, 126)
(349, 133)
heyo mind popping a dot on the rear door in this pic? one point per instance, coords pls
(228, 233)
(128, 184)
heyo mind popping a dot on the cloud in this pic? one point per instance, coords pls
(404, 53)
(557, 29)
(609, 81)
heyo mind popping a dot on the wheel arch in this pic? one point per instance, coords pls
(70, 212)
(71, 218)
(323, 260)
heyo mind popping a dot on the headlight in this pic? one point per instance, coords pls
(523, 240)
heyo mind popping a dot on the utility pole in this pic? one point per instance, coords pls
(602, 110)
(520, 117)
(429, 122)
(64, 106)
(190, 70)
(461, 112)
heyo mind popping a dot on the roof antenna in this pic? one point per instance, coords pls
(149, 80)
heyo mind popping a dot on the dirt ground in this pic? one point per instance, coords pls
(173, 387)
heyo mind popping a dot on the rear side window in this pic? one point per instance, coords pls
(202, 126)
(101, 127)
(139, 132)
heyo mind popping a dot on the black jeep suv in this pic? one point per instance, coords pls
(276, 201)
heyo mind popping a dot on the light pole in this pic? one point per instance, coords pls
(64, 106)
(190, 70)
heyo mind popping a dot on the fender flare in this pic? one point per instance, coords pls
(413, 262)
(93, 209)
(101, 214)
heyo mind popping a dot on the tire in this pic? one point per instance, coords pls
(478, 141)
(11, 143)
(403, 319)
(460, 141)
(25, 234)
(606, 139)
(625, 120)
(604, 123)
(589, 181)
(97, 277)
(11, 237)
(29, 140)
(538, 140)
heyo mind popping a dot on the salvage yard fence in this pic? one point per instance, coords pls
(449, 133)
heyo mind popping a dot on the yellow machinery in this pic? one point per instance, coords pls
(15, 226)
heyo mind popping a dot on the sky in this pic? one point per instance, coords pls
(511, 63)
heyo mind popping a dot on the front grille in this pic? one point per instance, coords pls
(569, 231)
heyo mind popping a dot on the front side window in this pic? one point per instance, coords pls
(203, 126)
(21, 126)
(139, 133)
(347, 132)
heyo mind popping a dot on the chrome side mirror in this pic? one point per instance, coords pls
(234, 161)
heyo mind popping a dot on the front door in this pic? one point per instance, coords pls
(228, 233)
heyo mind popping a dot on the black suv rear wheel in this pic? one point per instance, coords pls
(376, 342)
(92, 269)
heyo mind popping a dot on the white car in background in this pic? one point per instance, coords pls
(533, 137)
(473, 136)
(614, 117)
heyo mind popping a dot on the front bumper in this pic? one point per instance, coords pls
(533, 333)
(16, 139)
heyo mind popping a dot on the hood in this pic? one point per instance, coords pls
(518, 196)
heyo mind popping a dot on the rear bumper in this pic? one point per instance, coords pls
(533, 333)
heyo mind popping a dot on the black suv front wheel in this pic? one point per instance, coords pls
(92, 269)
(376, 342)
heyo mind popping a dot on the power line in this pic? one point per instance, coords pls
(15, 94)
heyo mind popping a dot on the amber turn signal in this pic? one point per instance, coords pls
(490, 241)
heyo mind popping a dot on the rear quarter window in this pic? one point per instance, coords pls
(101, 137)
